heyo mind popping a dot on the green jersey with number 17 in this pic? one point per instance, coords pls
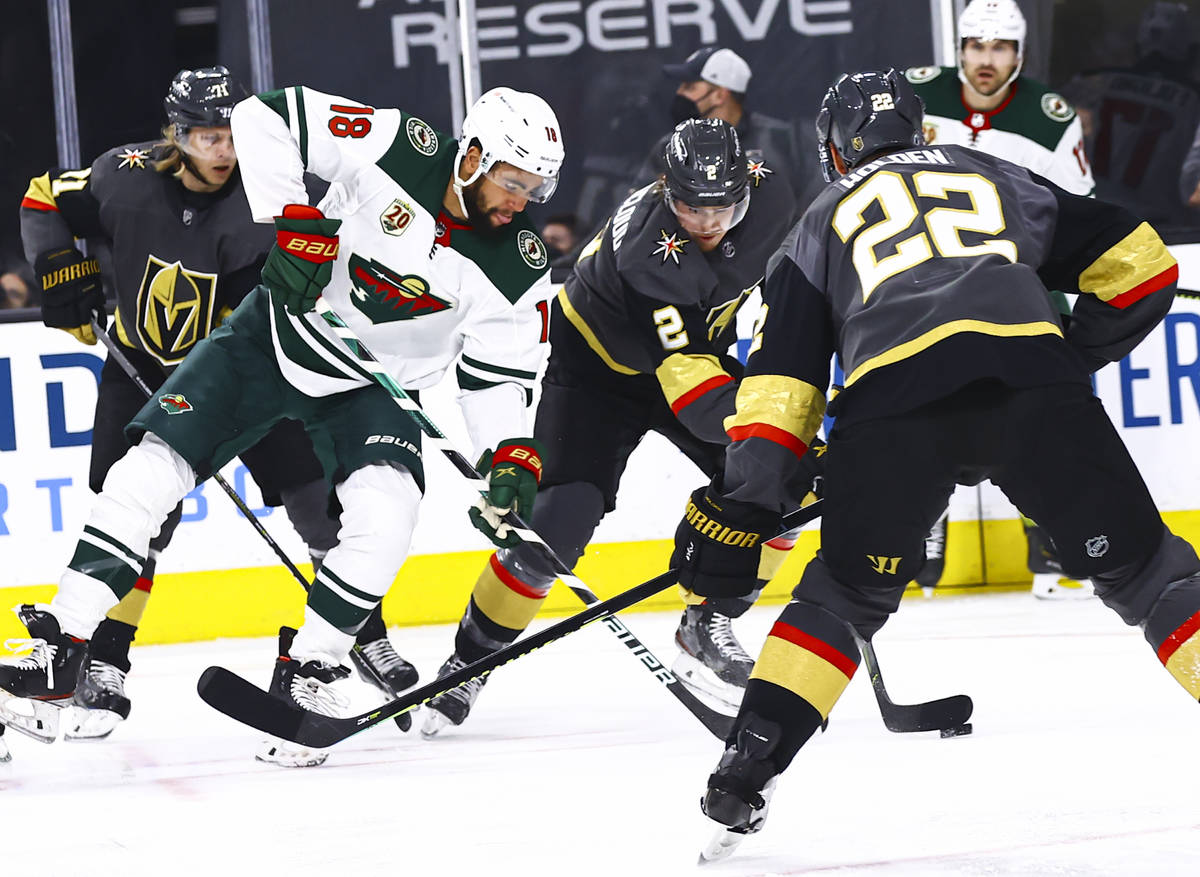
(423, 290)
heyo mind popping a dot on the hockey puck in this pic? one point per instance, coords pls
(957, 730)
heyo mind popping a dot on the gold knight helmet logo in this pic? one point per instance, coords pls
(175, 309)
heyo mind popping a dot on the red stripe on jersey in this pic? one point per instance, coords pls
(1154, 284)
(513, 583)
(696, 392)
(143, 584)
(820, 648)
(770, 433)
(38, 205)
(1178, 637)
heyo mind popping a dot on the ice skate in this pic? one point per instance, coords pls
(740, 790)
(712, 662)
(308, 686)
(935, 556)
(5, 755)
(99, 704)
(378, 664)
(1049, 583)
(29, 684)
(453, 707)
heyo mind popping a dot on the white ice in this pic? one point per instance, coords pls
(577, 762)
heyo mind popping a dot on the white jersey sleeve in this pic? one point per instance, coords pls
(1067, 166)
(281, 134)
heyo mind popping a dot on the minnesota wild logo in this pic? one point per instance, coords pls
(386, 296)
(174, 403)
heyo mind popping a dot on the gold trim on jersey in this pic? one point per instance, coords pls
(174, 309)
(681, 373)
(40, 191)
(944, 331)
(789, 404)
(1136, 258)
(588, 335)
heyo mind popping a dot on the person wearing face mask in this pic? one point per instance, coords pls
(712, 84)
(639, 333)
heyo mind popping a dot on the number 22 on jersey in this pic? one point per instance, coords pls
(943, 224)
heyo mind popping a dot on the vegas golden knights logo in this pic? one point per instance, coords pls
(884, 565)
(175, 309)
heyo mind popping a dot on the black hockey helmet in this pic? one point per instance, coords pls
(706, 168)
(202, 98)
(865, 113)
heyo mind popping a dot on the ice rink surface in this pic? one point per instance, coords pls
(576, 762)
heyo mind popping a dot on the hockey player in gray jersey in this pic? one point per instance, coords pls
(638, 336)
(435, 267)
(182, 252)
(925, 269)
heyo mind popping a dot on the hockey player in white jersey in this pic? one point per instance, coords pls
(988, 104)
(422, 248)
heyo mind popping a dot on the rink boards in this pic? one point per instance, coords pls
(218, 578)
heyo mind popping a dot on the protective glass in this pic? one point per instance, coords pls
(208, 144)
(708, 220)
(523, 184)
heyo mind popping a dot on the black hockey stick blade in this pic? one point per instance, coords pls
(902, 718)
(232, 695)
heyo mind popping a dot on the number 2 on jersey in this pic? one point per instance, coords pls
(900, 211)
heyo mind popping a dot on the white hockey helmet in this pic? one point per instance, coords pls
(988, 20)
(518, 128)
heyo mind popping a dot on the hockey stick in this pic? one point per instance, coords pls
(720, 724)
(229, 693)
(948, 714)
(130, 369)
(360, 664)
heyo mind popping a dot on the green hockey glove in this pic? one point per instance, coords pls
(513, 473)
(71, 292)
(300, 264)
(718, 542)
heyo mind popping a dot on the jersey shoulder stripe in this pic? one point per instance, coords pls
(513, 260)
(420, 160)
(278, 100)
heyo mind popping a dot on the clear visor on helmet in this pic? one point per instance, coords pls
(523, 184)
(208, 144)
(701, 219)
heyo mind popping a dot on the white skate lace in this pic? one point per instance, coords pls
(467, 691)
(318, 697)
(107, 677)
(40, 657)
(935, 542)
(720, 631)
(381, 655)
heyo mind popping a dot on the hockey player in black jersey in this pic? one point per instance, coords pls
(184, 251)
(925, 269)
(638, 336)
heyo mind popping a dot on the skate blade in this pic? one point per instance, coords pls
(705, 684)
(34, 718)
(720, 846)
(5, 755)
(85, 724)
(286, 754)
(435, 722)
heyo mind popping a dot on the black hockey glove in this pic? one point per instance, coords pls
(718, 542)
(300, 264)
(72, 292)
(513, 473)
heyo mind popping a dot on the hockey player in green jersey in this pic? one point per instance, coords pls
(925, 269)
(183, 251)
(990, 105)
(422, 248)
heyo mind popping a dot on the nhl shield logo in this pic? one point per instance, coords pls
(532, 250)
(396, 218)
(1097, 546)
(421, 136)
